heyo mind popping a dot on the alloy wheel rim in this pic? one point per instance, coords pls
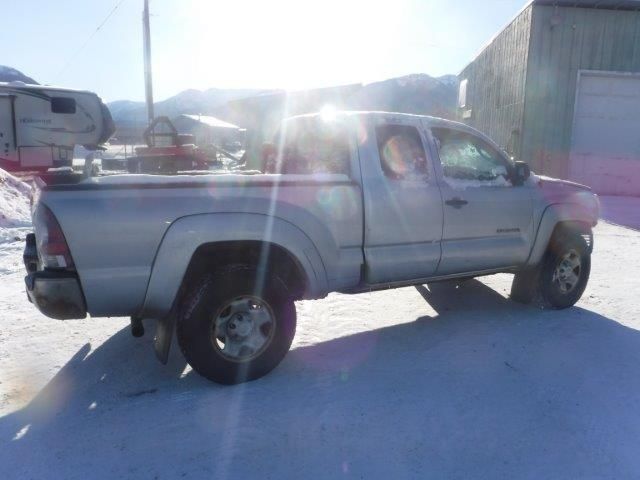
(567, 272)
(242, 328)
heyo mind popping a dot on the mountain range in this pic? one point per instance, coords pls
(252, 108)
(8, 74)
(127, 112)
(417, 93)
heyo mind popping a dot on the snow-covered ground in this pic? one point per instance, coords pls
(435, 382)
(15, 221)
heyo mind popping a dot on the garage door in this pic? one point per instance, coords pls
(605, 151)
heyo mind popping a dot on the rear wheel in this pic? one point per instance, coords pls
(236, 326)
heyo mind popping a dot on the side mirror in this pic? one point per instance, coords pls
(521, 173)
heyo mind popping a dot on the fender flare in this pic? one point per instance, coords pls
(552, 216)
(186, 234)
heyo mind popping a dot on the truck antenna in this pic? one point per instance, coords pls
(148, 80)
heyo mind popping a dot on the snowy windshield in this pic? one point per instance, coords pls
(467, 157)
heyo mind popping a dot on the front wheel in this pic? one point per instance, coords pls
(565, 272)
(236, 325)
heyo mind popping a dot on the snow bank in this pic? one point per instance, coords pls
(15, 221)
(14, 202)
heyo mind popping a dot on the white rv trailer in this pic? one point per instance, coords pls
(40, 125)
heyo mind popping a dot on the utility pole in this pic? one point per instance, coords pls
(148, 80)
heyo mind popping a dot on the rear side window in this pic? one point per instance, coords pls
(63, 105)
(311, 147)
(402, 154)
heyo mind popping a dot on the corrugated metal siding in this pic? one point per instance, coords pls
(563, 41)
(496, 85)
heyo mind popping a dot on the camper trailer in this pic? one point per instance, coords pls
(40, 125)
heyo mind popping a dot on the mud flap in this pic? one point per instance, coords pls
(164, 333)
(524, 288)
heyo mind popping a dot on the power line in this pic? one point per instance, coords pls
(93, 34)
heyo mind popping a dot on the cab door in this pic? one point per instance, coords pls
(403, 209)
(488, 221)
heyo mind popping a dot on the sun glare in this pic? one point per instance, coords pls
(281, 44)
(328, 113)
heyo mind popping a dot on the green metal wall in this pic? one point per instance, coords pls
(565, 40)
(496, 84)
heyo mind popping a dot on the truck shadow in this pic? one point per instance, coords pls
(486, 388)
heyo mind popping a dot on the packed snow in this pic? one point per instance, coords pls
(15, 221)
(442, 381)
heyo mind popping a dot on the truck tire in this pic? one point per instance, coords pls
(564, 271)
(231, 330)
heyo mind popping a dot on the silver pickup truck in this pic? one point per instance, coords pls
(351, 202)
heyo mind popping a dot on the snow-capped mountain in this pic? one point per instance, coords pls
(416, 93)
(8, 74)
(127, 112)
(451, 80)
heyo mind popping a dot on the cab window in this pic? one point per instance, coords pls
(311, 147)
(402, 154)
(465, 157)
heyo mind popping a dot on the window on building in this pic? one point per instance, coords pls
(63, 105)
(466, 157)
(462, 93)
(402, 154)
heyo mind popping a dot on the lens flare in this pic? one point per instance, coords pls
(328, 113)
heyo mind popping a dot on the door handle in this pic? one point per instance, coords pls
(456, 202)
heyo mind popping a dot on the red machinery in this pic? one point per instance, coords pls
(168, 151)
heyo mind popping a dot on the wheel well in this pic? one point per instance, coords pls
(277, 260)
(570, 227)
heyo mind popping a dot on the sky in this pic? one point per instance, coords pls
(288, 44)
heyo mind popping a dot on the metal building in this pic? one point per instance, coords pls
(209, 130)
(559, 87)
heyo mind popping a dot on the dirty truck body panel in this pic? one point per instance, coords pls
(115, 246)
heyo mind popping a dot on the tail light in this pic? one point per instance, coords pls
(50, 242)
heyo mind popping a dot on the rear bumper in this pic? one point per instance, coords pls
(56, 293)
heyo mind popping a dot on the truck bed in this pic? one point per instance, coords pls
(115, 224)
